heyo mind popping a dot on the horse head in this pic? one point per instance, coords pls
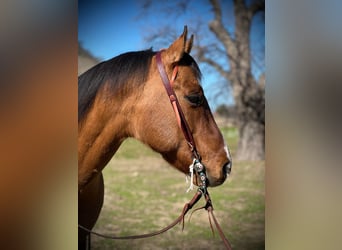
(155, 123)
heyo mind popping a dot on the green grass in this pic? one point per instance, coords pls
(144, 194)
(133, 149)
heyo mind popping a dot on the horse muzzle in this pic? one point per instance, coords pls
(216, 180)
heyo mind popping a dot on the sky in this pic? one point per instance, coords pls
(108, 28)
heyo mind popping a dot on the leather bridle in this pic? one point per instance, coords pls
(198, 166)
(182, 123)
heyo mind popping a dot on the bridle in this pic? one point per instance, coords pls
(198, 166)
(182, 123)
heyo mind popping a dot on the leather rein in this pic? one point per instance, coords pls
(198, 166)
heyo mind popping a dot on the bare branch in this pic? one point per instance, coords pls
(224, 73)
(216, 26)
(201, 57)
(217, 10)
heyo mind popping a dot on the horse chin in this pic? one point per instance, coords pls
(213, 182)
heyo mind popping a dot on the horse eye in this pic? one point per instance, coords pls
(195, 99)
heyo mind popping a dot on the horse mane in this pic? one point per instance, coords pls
(128, 68)
(122, 73)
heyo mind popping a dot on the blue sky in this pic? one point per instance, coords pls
(109, 28)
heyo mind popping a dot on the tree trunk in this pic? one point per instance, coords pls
(249, 96)
(252, 141)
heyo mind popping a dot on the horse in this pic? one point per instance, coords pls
(124, 97)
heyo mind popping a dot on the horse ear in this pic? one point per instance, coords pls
(177, 48)
(188, 44)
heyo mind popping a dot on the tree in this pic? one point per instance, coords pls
(236, 68)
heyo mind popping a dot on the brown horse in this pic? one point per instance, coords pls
(125, 97)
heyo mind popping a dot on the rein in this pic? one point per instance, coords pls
(198, 166)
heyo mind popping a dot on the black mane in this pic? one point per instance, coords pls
(131, 68)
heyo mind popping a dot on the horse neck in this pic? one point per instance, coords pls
(101, 133)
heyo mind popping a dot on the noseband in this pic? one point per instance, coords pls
(198, 166)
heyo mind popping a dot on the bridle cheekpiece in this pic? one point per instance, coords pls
(182, 123)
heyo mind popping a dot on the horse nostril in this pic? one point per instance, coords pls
(227, 168)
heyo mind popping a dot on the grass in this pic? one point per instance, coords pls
(144, 194)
